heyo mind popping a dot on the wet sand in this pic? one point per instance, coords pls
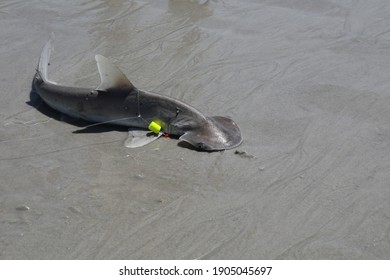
(307, 81)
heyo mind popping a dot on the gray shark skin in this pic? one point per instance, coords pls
(117, 101)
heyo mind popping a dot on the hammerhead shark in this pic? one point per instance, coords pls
(117, 101)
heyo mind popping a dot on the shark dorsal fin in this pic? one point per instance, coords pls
(110, 75)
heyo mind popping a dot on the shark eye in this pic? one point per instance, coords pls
(201, 146)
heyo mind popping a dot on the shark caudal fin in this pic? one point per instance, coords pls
(44, 59)
(111, 77)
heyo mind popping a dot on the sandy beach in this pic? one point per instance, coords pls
(308, 83)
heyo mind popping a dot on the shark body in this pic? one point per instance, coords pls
(116, 100)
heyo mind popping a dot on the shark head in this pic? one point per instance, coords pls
(218, 133)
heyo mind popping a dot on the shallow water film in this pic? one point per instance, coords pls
(307, 82)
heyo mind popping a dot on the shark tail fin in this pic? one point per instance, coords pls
(44, 59)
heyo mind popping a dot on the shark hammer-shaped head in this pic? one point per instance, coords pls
(217, 133)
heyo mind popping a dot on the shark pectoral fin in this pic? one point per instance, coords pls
(110, 75)
(139, 138)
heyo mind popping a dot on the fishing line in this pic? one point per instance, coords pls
(139, 116)
(111, 121)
